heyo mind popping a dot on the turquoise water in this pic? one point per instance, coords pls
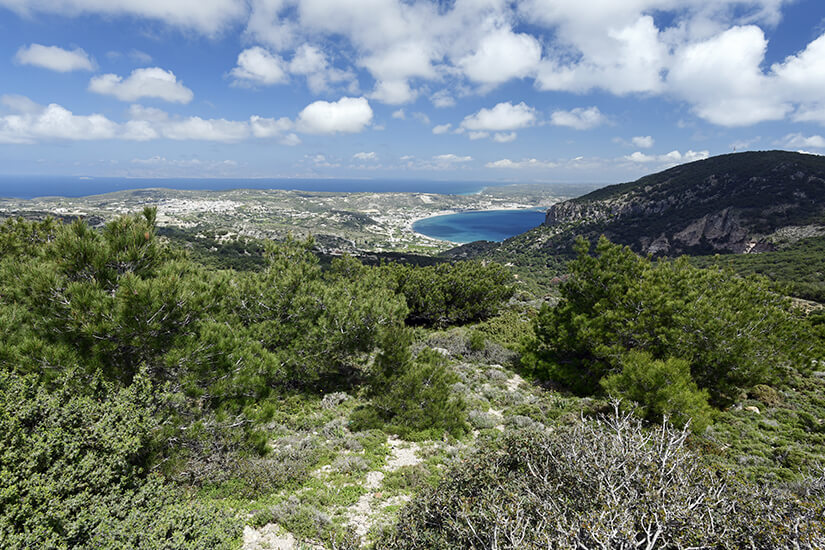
(488, 225)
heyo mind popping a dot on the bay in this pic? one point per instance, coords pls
(483, 225)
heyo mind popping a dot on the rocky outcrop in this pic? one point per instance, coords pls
(728, 204)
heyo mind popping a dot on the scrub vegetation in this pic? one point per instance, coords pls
(158, 396)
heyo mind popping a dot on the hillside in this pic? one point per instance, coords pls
(736, 203)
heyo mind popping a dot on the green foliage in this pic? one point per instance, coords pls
(511, 328)
(734, 332)
(412, 395)
(797, 268)
(121, 356)
(447, 294)
(661, 388)
(73, 470)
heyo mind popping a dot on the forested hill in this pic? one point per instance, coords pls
(742, 202)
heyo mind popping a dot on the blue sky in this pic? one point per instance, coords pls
(537, 90)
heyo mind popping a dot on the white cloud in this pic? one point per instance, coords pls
(710, 55)
(311, 62)
(502, 117)
(671, 158)
(399, 114)
(259, 66)
(620, 57)
(501, 56)
(20, 104)
(347, 115)
(803, 75)
(451, 158)
(32, 123)
(723, 80)
(205, 16)
(442, 99)
(797, 141)
(365, 156)
(393, 92)
(274, 128)
(54, 58)
(645, 142)
(478, 135)
(503, 137)
(151, 82)
(197, 128)
(152, 114)
(579, 118)
(441, 129)
(53, 122)
(422, 118)
(520, 164)
(139, 130)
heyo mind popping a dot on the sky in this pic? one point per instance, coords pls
(596, 91)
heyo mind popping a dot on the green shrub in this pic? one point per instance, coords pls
(412, 395)
(734, 332)
(74, 472)
(661, 388)
(447, 294)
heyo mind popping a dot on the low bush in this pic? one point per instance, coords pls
(411, 395)
(603, 483)
(661, 388)
(448, 294)
(73, 471)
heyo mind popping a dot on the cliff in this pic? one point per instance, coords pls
(737, 203)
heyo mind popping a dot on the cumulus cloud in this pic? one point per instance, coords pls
(274, 128)
(521, 164)
(259, 66)
(205, 16)
(442, 99)
(152, 82)
(452, 158)
(645, 142)
(504, 137)
(54, 58)
(710, 55)
(347, 115)
(32, 123)
(365, 156)
(578, 118)
(393, 92)
(501, 56)
(721, 77)
(797, 141)
(53, 122)
(441, 129)
(502, 117)
(399, 114)
(197, 128)
(311, 62)
(672, 158)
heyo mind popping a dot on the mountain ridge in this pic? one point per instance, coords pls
(734, 203)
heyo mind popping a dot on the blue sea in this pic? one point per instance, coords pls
(29, 187)
(488, 225)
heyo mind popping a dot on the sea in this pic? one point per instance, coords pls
(29, 187)
(495, 225)
(483, 225)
